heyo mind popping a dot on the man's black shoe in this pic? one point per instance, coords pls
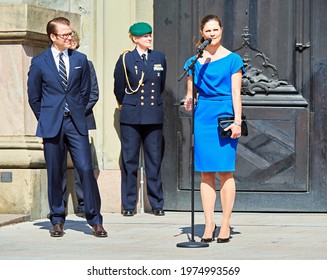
(158, 212)
(128, 213)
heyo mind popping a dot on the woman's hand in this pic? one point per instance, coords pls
(236, 130)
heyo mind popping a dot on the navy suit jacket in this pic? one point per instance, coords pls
(94, 97)
(144, 106)
(47, 96)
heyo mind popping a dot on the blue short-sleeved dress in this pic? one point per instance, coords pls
(213, 83)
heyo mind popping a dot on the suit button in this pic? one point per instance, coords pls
(142, 103)
(152, 97)
(142, 97)
(152, 84)
(152, 90)
(142, 91)
(142, 85)
(152, 103)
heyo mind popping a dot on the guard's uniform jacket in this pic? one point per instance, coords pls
(138, 88)
(144, 106)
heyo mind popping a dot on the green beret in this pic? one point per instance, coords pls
(140, 28)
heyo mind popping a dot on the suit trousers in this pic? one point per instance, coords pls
(78, 189)
(132, 136)
(55, 157)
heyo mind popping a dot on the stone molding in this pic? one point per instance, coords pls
(24, 24)
(18, 24)
(21, 152)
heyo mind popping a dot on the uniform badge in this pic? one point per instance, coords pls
(157, 67)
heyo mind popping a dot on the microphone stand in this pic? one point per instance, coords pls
(192, 243)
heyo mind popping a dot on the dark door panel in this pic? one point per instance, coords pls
(282, 164)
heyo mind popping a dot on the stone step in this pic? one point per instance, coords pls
(8, 219)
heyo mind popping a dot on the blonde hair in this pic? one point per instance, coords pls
(75, 37)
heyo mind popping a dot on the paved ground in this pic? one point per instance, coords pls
(263, 246)
(255, 236)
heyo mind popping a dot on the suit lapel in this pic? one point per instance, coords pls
(49, 60)
(138, 60)
(72, 64)
(140, 64)
(150, 60)
(149, 66)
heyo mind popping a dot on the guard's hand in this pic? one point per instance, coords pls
(188, 104)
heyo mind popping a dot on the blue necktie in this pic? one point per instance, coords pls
(144, 58)
(63, 76)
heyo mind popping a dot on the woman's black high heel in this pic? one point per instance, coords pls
(208, 240)
(223, 240)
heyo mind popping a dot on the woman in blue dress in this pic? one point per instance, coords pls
(217, 78)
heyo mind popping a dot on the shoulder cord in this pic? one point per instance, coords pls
(127, 80)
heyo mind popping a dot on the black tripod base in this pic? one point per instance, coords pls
(192, 244)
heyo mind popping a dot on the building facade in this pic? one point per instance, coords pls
(282, 164)
(103, 27)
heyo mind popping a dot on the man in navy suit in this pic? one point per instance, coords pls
(91, 124)
(140, 77)
(58, 102)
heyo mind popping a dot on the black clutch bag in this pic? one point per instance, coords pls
(227, 121)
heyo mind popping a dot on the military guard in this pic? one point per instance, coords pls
(140, 77)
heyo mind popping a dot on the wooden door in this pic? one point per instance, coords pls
(281, 165)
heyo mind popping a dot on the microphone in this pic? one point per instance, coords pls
(205, 43)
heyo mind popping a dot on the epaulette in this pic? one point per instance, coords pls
(126, 51)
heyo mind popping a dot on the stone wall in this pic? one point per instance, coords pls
(22, 35)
